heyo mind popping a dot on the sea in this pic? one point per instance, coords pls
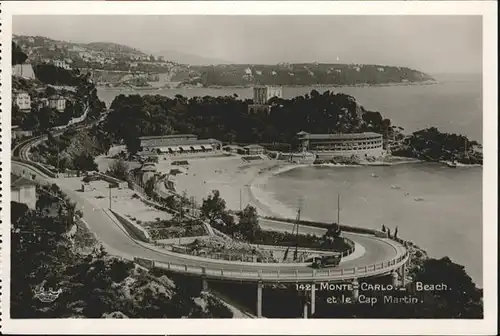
(436, 207)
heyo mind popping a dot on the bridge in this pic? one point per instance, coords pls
(382, 255)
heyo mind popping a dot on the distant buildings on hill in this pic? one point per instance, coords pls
(57, 102)
(62, 64)
(22, 100)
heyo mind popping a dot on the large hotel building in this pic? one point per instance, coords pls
(261, 97)
(328, 146)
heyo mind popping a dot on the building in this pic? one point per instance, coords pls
(262, 94)
(42, 102)
(62, 64)
(179, 144)
(254, 150)
(328, 146)
(17, 132)
(23, 70)
(57, 102)
(22, 100)
(23, 191)
(147, 171)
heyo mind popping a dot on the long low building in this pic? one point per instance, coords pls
(328, 146)
(179, 144)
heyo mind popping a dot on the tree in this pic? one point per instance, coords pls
(248, 224)
(119, 169)
(149, 188)
(47, 117)
(333, 231)
(84, 162)
(18, 56)
(133, 144)
(460, 299)
(213, 207)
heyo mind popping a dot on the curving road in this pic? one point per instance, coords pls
(118, 242)
(381, 255)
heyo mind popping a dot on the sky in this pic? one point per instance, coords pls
(434, 44)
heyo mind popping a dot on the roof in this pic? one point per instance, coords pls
(55, 97)
(172, 136)
(17, 182)
(345, 136)
(254, 147)
(175, 142)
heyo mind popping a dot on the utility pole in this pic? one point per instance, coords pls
(297, 225)
(57, 141)
(338, 209)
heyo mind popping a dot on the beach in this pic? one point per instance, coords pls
(237, 181)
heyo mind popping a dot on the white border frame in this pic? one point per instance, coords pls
(487, 9)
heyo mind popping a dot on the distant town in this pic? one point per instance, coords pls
(114, 65)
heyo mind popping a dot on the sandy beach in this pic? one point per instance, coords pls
(237, 181)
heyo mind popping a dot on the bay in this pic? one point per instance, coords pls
(438, 208)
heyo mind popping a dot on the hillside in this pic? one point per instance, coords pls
(302, 74)
(185, 69)
(113, 48)
(40, 42)
(185, 58)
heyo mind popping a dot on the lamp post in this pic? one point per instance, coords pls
(110, 196)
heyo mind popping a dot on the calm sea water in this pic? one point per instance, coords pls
(453, 105)
(446, 218)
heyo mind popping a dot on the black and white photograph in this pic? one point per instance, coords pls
(278, 168)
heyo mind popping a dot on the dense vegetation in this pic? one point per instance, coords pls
(51, 74)
(73, 150)
(214, 210)
(306, 74)
(83, 95)
(461, 299)
(432, 145)
(227, 118)
(18, 56)
(93, 284)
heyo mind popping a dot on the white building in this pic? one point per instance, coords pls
(23, 70)
(62, 64)
(22, 100)
(57, 102)
(262, 94)
(329, 146)
(23, 191)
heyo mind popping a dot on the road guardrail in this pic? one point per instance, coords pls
(284, 275)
